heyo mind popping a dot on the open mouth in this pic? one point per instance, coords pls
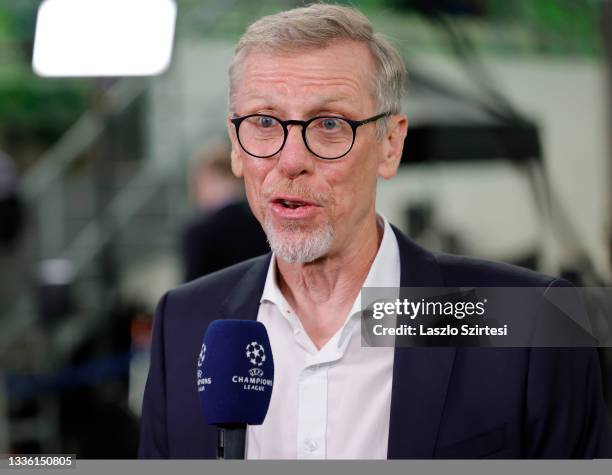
(291, 204)
(294, 207)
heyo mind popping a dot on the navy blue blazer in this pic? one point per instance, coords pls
(445, 402)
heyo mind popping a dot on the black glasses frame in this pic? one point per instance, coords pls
(304, 123)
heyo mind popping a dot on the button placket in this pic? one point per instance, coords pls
(312, 412)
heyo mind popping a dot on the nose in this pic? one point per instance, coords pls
(295, 159)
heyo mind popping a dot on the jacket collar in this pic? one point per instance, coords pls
(420, 375)
(243, 300)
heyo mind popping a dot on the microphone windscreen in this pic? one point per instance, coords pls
(235, 372)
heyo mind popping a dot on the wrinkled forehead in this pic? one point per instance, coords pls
(343, 71)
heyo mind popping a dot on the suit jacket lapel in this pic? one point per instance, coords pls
(243, 302)
(420, 375)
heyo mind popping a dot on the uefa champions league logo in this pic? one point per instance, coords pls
(202, 381)
(255, 354)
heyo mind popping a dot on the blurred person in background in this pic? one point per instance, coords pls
(223, 231)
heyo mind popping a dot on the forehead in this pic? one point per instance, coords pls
(339, 73)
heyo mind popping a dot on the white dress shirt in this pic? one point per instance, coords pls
(334, 402)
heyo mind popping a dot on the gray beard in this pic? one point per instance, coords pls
(294, 245)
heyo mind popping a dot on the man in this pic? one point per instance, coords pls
(215, 237)
(314, 121)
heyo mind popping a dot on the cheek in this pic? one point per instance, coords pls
(255, 173)
(352, 189)
(357, 197)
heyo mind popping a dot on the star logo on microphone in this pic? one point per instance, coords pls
(202, 355)
(255, 353)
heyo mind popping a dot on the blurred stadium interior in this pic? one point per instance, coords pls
(507, 158)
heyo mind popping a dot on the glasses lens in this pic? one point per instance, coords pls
(261, 135)
(329, 137)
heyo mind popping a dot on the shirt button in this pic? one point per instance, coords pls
(311, 445)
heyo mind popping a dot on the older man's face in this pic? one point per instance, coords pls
(310, 207)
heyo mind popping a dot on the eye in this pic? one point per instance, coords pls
(266, 122)
(330, 124)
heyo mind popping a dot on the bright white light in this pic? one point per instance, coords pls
(104, 37)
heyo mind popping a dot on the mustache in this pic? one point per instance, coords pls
(298, 190)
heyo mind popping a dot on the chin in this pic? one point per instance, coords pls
(294, 244)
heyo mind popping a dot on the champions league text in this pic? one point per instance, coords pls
(252, 384)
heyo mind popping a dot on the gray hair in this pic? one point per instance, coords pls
(316, 26)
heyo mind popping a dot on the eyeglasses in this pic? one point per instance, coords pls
(327, 137)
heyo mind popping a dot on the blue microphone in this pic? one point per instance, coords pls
(235, 375)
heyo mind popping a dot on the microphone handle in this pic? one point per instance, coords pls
(231, 441)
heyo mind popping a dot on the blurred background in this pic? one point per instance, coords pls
(507, 157)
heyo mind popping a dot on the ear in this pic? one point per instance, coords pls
(392, 146)
(236, 156)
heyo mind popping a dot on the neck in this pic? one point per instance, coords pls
(322, 292)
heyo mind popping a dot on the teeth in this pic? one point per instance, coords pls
(291, 204)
